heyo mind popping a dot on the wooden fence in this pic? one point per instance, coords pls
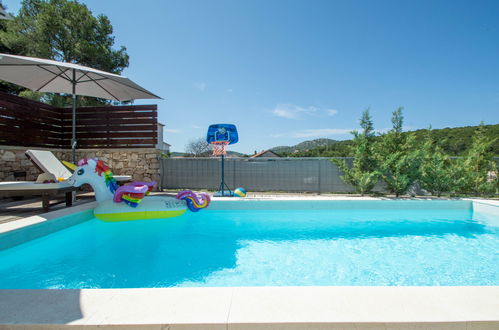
(33, 124)
(28, 123)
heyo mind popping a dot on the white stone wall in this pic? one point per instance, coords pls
(141, 163)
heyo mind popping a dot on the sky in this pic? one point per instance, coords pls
(288, 71)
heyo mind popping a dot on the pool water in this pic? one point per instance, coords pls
(264, 247)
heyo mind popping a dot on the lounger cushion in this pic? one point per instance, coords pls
(48, 163)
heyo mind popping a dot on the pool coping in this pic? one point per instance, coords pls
(466, 307)
(256, 308)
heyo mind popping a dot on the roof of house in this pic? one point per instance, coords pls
(259, 154)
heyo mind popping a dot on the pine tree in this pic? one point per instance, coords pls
(476, 172)
(62, 30)
(363, 174)
(398, 159)
(435, 171)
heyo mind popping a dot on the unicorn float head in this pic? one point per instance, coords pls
(95, 173)
(129, 202)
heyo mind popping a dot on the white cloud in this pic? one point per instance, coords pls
(195, 126)
(313, 133)
(321, 132)
(200, 85)
(173, 130)
(292, 111)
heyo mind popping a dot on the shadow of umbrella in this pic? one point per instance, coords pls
(39, 306)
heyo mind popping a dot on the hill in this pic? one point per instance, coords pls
(303, 146)
(455, 141)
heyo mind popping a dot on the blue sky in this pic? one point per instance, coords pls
(289, 71)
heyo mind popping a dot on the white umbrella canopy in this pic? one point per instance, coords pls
(4, 14)
(42, 75)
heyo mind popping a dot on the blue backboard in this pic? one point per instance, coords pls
(222, 132)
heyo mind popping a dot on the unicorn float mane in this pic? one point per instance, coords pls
(101, 168)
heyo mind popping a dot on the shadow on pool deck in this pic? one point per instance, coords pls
(11, 209)
(39, 306)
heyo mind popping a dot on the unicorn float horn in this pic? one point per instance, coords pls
(194, 203)
(69, 165)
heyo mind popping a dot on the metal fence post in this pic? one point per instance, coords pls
(319, 176)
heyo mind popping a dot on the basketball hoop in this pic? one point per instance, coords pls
(219, 147)
(220, 136)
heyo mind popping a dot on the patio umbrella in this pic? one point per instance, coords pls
(42, 75)
(4, 14)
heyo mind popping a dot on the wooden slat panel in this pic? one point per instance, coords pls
(31, 132)
(117, 128)
(28, 138)
(18, 112)
(118, 141)
(33, 124)
(105, 115)
(113, 108)
(113, 122)
(80, 135)
(27, 102)
(23, 123)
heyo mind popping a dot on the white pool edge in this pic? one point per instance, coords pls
(468, 307)
(257, 307)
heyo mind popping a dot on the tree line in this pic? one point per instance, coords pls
(61, 30)
(454, 141)
(401, 160)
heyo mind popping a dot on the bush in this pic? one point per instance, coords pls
(476, 172)
(363, 174)
(436, 170)
(397, 157)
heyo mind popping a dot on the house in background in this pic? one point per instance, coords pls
(162, 145)
(266, 154)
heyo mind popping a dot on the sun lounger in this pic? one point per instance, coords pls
(48, 191)
(48, 163)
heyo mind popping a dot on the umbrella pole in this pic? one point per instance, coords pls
(73, 139)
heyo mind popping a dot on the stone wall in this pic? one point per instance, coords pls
(141, 163)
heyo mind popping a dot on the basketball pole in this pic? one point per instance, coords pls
(222, 183)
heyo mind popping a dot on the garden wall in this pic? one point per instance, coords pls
(318, 175)
(254, 174)
(141, 163)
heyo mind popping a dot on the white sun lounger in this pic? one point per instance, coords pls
(48, 163)
(46, 190)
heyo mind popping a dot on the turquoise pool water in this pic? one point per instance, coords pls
(267, 245)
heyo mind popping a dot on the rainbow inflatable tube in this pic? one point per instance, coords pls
(130, 202)
(152, 207)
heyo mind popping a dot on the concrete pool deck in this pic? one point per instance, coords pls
(241, 308)
(467, 307)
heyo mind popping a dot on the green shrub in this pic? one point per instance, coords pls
(474, 173)
(397, 157)
(363, 174)
(436, 169)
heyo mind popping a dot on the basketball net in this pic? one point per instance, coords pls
(219, 147)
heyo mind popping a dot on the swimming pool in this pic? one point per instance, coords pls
(270, 243)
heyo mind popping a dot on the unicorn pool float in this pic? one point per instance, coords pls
(129, 202)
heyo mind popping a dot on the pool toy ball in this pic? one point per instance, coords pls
(241, 192)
